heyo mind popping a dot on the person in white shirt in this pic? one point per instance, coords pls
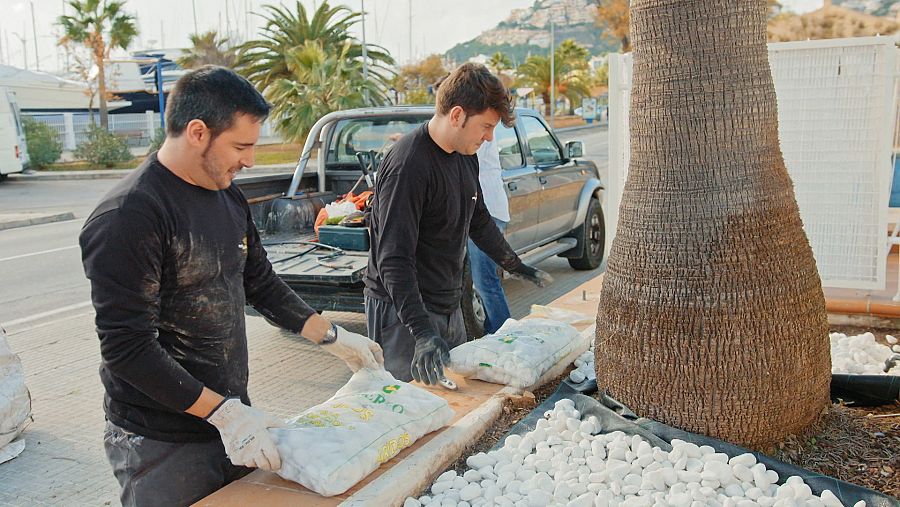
(485, 276)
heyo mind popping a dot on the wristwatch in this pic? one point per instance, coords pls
(330, 335)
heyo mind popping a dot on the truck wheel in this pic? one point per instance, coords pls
(593, 239)
(472, 309)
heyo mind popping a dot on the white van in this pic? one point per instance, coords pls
(13, 151)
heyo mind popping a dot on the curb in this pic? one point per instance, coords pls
(108, 174)
(43, 219)
(583, 127)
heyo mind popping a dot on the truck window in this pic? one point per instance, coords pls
(544, 149)
(508, 145)
(355, 135)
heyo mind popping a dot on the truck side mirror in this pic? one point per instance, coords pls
(574, 149)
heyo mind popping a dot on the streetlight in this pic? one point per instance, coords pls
(552, 74)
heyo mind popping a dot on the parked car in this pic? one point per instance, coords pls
(554, 197)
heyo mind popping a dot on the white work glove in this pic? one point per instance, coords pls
(356, 350)
(243, 431)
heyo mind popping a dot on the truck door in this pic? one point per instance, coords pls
(560, 179)
(521, 187)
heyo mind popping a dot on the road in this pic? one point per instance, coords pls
(41, 265)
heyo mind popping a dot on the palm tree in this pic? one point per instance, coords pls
(208, 49)
(711, 316)
(318, 83)
(273, 61)
(570, 69)
(499, 62)
(100, 26)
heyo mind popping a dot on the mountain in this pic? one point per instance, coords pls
(873, 7)
(527, 31)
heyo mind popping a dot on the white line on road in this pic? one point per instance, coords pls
(39, 253)
(49, 313)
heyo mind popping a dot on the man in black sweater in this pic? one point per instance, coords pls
(173, 256)
(427, 202)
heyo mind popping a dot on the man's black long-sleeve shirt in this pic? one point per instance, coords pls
(171, 267)
(427, 202)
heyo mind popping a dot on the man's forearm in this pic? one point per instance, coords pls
(206, 403)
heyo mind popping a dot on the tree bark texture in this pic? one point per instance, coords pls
(711, 316)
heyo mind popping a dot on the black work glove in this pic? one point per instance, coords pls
(430, 356)
(535, 276)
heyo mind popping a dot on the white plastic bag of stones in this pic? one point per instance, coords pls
(518, 353)
(565, 462)
(332, 446)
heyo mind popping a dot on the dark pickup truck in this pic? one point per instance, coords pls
(554, 199)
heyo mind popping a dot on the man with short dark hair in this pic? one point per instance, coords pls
(427, 202)
(173, 256)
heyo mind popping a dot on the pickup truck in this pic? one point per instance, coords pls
(554, 199)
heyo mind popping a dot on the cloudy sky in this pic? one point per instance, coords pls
(437, 25)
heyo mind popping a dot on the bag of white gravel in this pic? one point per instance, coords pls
(334, 445)
(15, 401)
(518, 353)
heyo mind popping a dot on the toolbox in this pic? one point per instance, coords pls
(345, 238)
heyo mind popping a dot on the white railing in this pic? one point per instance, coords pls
(836, 122)
(137, 128)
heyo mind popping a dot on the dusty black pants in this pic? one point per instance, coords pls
(152, 472)
(385, 328)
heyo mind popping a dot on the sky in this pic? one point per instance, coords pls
(437, 25)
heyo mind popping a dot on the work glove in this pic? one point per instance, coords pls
(356, 350)
(535, 276)
(429, 358)
(244, 432)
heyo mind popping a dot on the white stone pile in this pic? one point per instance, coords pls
(564, 462)
(861, 354)
(584, 367)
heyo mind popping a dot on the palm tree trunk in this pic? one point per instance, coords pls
(546, 97)
(711, 315)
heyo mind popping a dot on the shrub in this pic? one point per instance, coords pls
(103, 148)
(157, 141)
(44, 146)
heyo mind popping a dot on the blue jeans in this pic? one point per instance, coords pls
(487, 283)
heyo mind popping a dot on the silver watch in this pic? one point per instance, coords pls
(330, 335)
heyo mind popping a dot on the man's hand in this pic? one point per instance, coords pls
(535, 276)
(429, 358)
(244, 432)
(356, 350)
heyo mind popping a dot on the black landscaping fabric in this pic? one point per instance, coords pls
(865, 390)
(614, 416)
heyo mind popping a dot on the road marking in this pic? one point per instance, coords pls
(38, 253)
(49, 313)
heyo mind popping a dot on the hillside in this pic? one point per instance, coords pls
(830, 22)
(527, 31)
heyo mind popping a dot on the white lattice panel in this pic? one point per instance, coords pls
(836, 120)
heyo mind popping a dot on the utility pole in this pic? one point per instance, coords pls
(365, 53)
(37, 58)
(24, 42)
(552, 74)
(194, 9)
(410, 32)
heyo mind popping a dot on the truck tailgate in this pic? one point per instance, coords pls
(302, 262)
